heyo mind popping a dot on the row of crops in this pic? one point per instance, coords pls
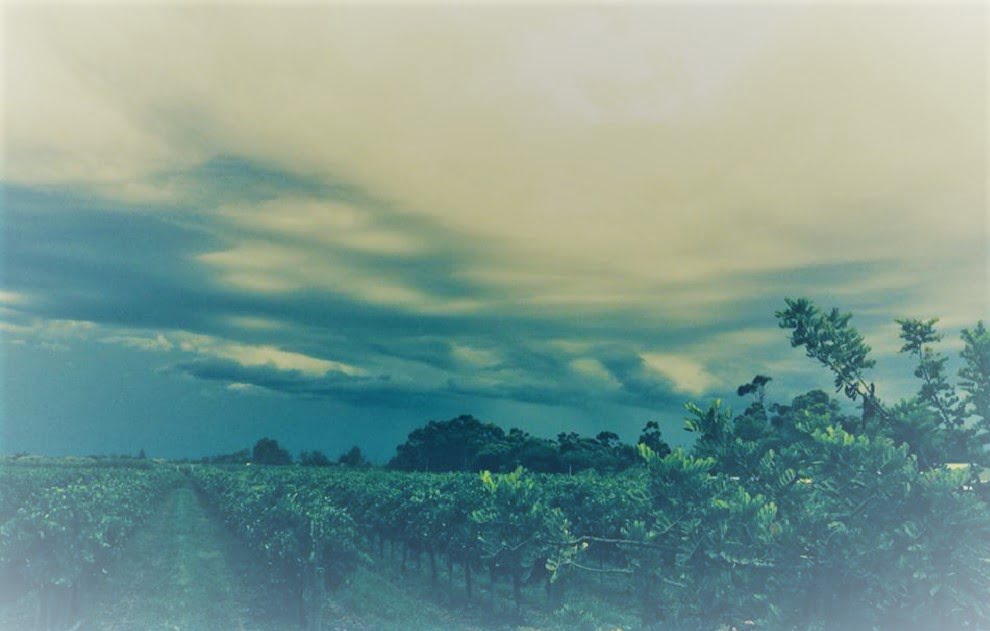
(837, 531)
(858, 538)
(288, 519)
(312, 525)
(60, 527)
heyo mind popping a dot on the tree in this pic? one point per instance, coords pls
(353, 458)
(451, 445)
(238, 457)
(467, 444)
(817, 520)
(609, 439)
(918, 336)
(830, 339)
(535, 454)
(314, 459)
(961, 441)
(757, 386)
(602, 453)
(267, 451)
(652, 438)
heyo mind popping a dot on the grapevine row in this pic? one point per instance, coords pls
(59, 528)
(694, 546)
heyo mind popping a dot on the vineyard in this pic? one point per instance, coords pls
(678, 541)
(61, 527)
(675, 542)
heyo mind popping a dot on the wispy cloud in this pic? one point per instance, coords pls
(686, 374)
(157, 343)
(253, 355)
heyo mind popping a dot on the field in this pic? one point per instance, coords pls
(670, 544)
(211, 547)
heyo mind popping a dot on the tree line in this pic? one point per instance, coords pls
(468, 444)
(267, 451)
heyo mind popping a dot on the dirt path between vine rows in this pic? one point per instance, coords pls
(182, 571)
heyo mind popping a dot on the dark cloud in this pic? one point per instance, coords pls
(228, 179)
(79, 257)
(379, 391)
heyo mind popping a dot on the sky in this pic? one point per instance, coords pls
(330, 224)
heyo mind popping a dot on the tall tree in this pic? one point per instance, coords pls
(829, 338)
(268, 451)
(653, 438)
(919, 335)
(757, 386)
(353, 458)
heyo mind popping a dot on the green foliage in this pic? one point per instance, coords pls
(60, 527)
(864, 533)
(238, 457)
(707, 544)
(935, 389)
(467, 444)
(935, 430)
(943, 435)
(652, 438)
(975, 374)
(353, 458)
(314, 458)
(828, 338)
(446, 445)
(602, 453)
(305, 540)
(268, 451)
(517, 529)
(57, 526)
(757, 386)
(791, 515)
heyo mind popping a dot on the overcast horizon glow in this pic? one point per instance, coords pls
(331, 224)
